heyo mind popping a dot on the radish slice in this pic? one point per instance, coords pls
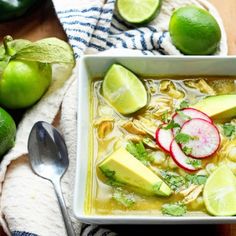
(192, 114)
(164, 138)
(206, 137)
(180, 158)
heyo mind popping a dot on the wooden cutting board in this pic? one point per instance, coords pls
(42, 22)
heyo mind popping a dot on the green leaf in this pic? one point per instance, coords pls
(138, 150)
(123, 198)
(194, 162)
(19, 44)
(164, 117)
(112, 182)
(156, 187)
(176, 182)
(187, 150)
(111, 177)
(173, 180)
(108, 173)
(174, 209)
(196, 179)
(183, 104)
(10, 46)
(229, 130)
(183, 116)
(183, 138)
(172, 125)
(49, 50)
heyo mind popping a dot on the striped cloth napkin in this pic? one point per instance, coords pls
(93, 26)
(28, 205)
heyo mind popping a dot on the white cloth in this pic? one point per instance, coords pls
(28, 202)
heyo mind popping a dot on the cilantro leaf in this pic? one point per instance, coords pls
(187, 150)
(173, 180)
(196, 179)
(172, 125)
(183, 116)
(164, 117)
(108, 173)
(194, 162)
(176, 182)
(229, 130)
(183, 138)
(156, 187)
(138, 150)
(183, 104)
(114, 183)
(174, 209)
(111, 177)
(124, 199)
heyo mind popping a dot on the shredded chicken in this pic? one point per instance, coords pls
(132, 128)
(168, 87)
(148, 125)
(104, 126)
(134, 138)
(193, 195)
(150, 143)
(188, 190)
(201, 85)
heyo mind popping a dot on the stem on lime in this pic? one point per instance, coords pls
(8, 50)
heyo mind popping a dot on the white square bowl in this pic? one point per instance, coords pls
(96, 66)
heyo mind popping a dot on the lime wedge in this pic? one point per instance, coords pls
(138, 11)
(123, 90)
(220, 192)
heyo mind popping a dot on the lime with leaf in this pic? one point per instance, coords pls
(26, 71)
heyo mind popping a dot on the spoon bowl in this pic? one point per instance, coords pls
(49, 159)
(47, 150)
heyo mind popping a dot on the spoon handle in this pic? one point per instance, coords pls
(66, 217)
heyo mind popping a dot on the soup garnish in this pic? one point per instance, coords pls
(220, 192)
(123, 90)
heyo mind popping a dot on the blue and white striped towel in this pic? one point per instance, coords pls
(96, 27)
(92, 26)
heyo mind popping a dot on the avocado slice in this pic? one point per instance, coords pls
(218, 107)
(125, 168)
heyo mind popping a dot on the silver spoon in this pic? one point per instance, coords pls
(49, 159)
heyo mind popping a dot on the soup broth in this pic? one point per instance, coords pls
(110, 130)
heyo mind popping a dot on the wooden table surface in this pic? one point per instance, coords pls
(42, 22)
(227, 10)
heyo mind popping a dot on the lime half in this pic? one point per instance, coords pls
(138, 11)
(220, 192)
(123, 90)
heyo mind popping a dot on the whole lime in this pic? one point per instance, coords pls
(194, 31)
(23, 83)
(7, 131)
